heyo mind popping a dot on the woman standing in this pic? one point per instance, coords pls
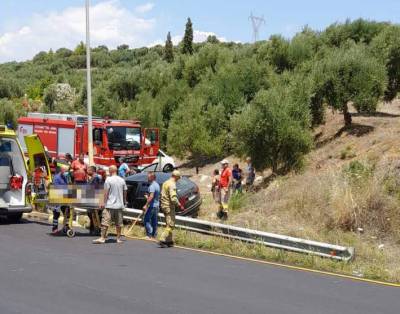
(216, 190)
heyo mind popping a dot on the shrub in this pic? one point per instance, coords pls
(347, 153)
(237, 201)
(273, 130)
(357, 171)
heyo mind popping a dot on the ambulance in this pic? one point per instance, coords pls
(17, 172)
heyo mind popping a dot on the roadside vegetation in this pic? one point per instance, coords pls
(259, 99)
(346, 193)
(370, 267)
(317, 113)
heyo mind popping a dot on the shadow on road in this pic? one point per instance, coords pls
(5, 221)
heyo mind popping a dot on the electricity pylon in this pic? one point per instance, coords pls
(256, 22)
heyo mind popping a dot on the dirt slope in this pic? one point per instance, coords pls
(348, 192)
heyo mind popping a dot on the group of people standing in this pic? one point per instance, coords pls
(227, 181)
(115, 199)
(75, 172)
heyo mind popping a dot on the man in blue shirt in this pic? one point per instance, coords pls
(123, 169)
(60, 179)
(152, 206)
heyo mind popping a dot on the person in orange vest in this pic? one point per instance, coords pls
(225, 182)
(79, 170)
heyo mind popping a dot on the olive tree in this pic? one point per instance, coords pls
(350, 75)
(386, 47)
(273, 130)
(10, 111)
(189, 132)
(276, 52)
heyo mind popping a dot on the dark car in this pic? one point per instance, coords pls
(187, 190)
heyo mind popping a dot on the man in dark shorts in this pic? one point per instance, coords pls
(94, 181)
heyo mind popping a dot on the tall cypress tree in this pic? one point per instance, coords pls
(168, 50)
(187, 47)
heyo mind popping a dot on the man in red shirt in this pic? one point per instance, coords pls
(79, 169)
(225, 184)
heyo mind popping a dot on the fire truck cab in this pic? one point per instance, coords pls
(112, 139)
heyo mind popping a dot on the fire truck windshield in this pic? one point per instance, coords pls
(123, 138)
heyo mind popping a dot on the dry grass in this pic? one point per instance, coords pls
(348, 194)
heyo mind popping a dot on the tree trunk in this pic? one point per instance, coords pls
(347, 116)
(274, 167)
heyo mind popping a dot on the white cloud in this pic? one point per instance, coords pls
(111, 25)
(144, 8)
(198, 37)
(290, 30)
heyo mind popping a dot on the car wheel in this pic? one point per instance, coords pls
(14, 218)
(168, 168)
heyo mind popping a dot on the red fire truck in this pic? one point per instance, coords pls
(112, 139)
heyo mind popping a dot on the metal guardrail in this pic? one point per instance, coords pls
(252, 236)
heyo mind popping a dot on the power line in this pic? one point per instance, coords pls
(256, 22)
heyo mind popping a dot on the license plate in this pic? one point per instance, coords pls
(191, 198)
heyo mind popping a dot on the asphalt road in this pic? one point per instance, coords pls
(40, 274)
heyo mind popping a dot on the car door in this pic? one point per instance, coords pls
(37, 155)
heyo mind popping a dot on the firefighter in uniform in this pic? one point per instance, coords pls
(169, 201)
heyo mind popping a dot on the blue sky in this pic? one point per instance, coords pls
(27, 27)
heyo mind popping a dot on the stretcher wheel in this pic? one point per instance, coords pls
(70, 233)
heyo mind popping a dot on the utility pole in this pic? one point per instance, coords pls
(256, 22)
(89, 86)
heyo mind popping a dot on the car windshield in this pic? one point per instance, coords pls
(150, 168)
(121, 137)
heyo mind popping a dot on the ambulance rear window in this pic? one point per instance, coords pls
(5, 146)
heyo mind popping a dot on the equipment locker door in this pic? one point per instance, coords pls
(66, 141)
(24, 130)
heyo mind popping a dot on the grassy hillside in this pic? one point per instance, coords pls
(348, 193)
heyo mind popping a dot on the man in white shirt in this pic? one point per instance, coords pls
(115, 191)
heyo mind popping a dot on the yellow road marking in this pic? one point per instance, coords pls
(298, 268)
